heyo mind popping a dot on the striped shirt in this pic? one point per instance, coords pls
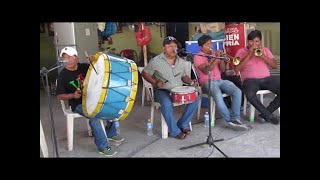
(160, 69)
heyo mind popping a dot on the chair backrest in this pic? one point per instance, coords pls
(147, 85)
(275, 72)
(196, 75)
(188, 68)
(63, 103)
(130, 54)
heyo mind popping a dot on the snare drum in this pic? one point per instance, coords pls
(184, 94)
(109, 94)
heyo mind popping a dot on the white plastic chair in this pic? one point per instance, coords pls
(43, 143)
(252, 108)
(149, 88)
(70, 116)
(211, 101)
(144, 92)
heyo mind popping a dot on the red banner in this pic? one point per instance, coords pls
(235, 39)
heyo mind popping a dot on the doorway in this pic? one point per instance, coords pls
(179, 30)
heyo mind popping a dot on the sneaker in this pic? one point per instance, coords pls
(116, 139)
(237, 121)
(108, 151)
(237, 126)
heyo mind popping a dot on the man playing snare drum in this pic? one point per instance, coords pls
(165, 72)
(69, 86)
(218, 86)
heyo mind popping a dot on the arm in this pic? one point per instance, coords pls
(76, 95)
(243, 60)
(267, 56)
(222, 66)
(186, 79)
(205, 67)
(62, 92)
(271, 62)
(150, 79)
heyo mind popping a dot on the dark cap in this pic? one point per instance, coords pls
(169, 39)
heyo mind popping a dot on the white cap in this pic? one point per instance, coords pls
(69, 50)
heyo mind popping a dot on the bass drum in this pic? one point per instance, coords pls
(110, 93)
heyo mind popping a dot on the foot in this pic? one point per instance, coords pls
(262, 119)
(185, 131)
(273, 119)
(181, 136)
(116, 139)
(236, 125)
(108, 151)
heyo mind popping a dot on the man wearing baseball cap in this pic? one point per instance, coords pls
(69, 86)
(164, 72)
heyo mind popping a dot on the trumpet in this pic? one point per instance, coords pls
(235, 60)
(258, 52)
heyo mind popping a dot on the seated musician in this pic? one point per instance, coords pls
(69, 85)
(164, 72)
(218, 86)
(255, 75)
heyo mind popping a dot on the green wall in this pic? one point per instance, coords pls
(127, 40)
(271, 35)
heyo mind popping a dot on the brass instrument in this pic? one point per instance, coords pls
(235, 60)
(258, 52)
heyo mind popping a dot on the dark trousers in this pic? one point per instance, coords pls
(271, 83)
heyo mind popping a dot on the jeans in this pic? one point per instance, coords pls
(100, 138)
(163, 97)
(271, 83)
(218, 87)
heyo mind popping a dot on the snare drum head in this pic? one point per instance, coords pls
(183, 89)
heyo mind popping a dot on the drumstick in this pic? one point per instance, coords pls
(91, 62)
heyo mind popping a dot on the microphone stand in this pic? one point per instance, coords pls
(209, 140)
(44, 72)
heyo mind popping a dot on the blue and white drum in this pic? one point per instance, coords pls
(109, 94)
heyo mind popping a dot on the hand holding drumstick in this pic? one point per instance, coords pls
(89, 59)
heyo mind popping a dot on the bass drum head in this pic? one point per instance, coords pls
(94, 85)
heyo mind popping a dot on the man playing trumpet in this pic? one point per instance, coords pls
(255, 75)
(218, 86)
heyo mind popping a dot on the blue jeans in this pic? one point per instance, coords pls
(99, 137)
(218, 87)
(163, 97)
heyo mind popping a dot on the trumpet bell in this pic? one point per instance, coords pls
(236, 60)
(258, 52)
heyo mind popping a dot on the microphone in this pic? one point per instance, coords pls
(177, 50)
(63, 61)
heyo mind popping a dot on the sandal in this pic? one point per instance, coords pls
(186, 131)
(181, 135)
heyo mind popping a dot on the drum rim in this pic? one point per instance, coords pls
(104, 90)
(193, 90)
